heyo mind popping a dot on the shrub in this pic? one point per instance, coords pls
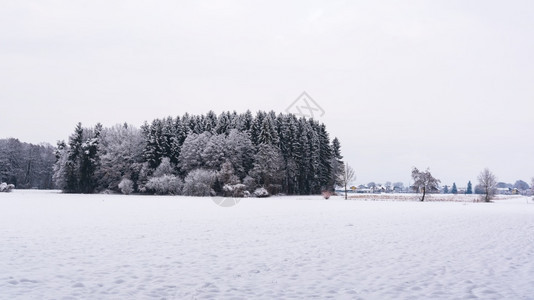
(327, 194)
(261, 193)
(165, 185)
(126, 186)
(235, 190)
(199, 182)
(4, 187)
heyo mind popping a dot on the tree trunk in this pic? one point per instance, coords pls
(424, 192)
(345, 190)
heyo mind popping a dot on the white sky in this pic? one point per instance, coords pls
(440, 84)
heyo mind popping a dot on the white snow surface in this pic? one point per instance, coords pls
(61, 246)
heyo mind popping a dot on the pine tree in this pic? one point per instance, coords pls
(303, 154)
(177, 139)
(153, 136)
(469, 190)
(223, 124)
(313, 139)
(245, 122)
(325, 160)
(256, 127)
(337, 162)
(268, 133)
(73, 162)
(211, 121)
(454, 190)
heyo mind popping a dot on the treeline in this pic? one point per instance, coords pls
(227, 154)
(26, 165)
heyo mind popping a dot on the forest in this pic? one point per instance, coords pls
(26, 165)
(229, 154)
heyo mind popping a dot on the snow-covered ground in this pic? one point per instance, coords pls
(58, 246)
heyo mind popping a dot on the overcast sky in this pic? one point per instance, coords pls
(442, 84)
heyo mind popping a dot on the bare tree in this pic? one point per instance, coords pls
(346, 177)
(424, 182)
(488, 182)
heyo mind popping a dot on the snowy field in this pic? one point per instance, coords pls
(57, 246)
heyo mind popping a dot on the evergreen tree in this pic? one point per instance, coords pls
(211, 122)
(337, 162)
(90, 160)
(313, 139)
(454, 190)
(303, 161)
(223, 124)
(153, 149)
(60, 166)
(325, 160)
(73, 162)
(469, 190)
(256, 128)
(268, 133)
(245, 122)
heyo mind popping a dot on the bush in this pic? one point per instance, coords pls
(327, 194)
(6, 188)
(235, 190)
(199, 182)
(261, 193)
(165, 185)
(126, 186)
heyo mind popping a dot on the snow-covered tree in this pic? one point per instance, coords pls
(192, 149)
(238, 150)
(60, 166)
(213, 155)
(268, 167)
(126, 186)
(121, 150)
(97, 159)
(487, 182)
(424, 182)
(164, 168)
(199, 182)
(346, 177)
